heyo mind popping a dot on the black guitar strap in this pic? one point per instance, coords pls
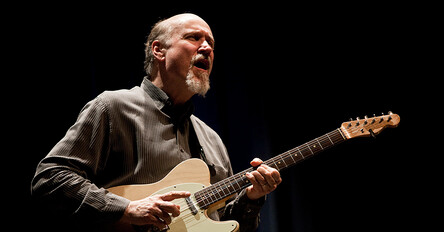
(197, 151)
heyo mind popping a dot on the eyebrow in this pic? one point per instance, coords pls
(193, 31)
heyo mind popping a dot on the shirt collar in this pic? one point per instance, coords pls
(165, 104)
(159, 97)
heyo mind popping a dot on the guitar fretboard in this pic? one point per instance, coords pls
(237, 182)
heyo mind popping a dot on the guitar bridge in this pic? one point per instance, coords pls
(191, 205)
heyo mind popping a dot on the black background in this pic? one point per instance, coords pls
(283, 75)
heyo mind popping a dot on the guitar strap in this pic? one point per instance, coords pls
(197, 150)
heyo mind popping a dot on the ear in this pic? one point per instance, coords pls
(158, 50)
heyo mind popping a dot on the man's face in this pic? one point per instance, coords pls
(190, 55)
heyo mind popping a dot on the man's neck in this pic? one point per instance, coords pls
(178, 92)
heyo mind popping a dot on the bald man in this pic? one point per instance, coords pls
(137, 136)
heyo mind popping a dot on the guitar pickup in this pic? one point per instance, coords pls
(191, 205)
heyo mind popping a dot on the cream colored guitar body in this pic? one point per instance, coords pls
(191, 175)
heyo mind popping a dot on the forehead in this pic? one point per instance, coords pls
(189, 24)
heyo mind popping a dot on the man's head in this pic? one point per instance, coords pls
(180, 51)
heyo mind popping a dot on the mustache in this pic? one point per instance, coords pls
(201, 59)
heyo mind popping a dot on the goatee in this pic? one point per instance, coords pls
(198, 83)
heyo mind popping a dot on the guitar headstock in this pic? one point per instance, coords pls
(369, 126)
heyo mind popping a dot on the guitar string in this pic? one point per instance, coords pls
(188, 217)
(333, 138)
(284, 156)
(184, 207)
(330, 137)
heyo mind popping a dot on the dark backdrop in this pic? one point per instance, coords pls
(283, 75)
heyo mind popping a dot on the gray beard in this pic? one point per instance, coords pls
(200, 84)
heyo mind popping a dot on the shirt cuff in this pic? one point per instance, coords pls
(116, 206)
(251, 207)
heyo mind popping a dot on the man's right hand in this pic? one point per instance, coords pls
(154, 210)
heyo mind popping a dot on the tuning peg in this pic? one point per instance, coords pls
(372, 133)
(366, 118)
(390, 116)
(374, 118)
(357, 121)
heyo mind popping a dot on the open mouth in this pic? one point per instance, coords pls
(202, 64)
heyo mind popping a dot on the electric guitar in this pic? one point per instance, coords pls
(193, 176)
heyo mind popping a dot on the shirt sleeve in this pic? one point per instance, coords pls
(64, 178)
(244, 211)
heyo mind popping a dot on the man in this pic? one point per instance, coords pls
(137, 136)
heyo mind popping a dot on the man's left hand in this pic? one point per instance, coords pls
(264, 180)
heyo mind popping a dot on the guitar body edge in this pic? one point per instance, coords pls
(191, 175)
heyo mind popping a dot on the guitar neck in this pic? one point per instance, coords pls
(238, 182)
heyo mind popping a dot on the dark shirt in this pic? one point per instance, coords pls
(133, 136)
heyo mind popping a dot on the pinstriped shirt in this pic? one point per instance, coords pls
(121, 137)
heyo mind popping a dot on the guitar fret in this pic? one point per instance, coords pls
(284, 161)
(279, 165)
(306, 151)
(222, 190)
(299, 158)
(218, 192)
(232, 190)
(300, 152)
(288, 160)
(205, 201)
(329, 139)
(314, 147)
(238, 185)
(228, 193)
(274, 164)
(310, 149)
(291, 155)
(212, 195)
(237, 182)
(207, 198)
(325, 142)
(320, 144)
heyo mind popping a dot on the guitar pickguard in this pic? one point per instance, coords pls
(195, 222)
(191, 175)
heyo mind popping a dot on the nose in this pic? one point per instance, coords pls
(205, 48)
